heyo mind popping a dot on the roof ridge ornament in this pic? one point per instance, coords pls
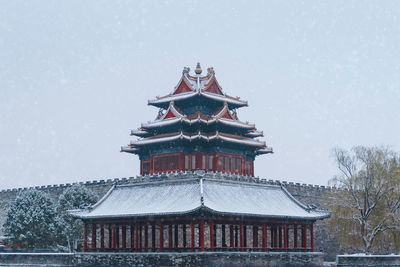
(185, 70)
(198, 69)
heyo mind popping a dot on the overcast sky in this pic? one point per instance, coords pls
(75, 77)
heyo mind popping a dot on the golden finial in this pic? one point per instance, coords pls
(198, 69)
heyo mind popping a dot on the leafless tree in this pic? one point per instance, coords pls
(366, 202)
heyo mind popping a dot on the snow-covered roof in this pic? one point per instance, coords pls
(198, 85)
(176, 197)
(199, 136)
(162, 101)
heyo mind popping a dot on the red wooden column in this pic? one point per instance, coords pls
(161, 236)
(215, 159)
(312, 237)
(202, 235)
(136, 237)
(192, 235)
(85, 238)
(93, 245)
(264, 239)
(212, 235)
(114, 235)
(285, 236)
(102, 236)
(241, 237)
(181, 161)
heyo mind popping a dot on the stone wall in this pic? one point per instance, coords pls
(367, 260)
(230, 259)
(305, 193)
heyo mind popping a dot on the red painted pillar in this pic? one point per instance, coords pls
(161, 236)
(264, 237)
(241, 237)
(295, 237)
(114, 235)
(136, 237)
(215, 167)
(102, 236)
(285, 236)
(85, 237)
(192, 234)
(93, 245)
(181, 161)
(212, 235)
(151, 164)
(312, 237)
(202, 235)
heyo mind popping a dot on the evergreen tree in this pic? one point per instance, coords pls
(71, 229)
(31, 221)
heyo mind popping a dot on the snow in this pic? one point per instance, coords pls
(224, 99)
(138, 132)
(244, 141)
(172, 98)
(236, 123)
(186, 95)
(160, 123)
(184, 196)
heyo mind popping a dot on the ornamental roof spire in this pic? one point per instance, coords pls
(198, 69)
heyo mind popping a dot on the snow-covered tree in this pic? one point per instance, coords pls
(366, 203)
(71, 229)
(31, 221)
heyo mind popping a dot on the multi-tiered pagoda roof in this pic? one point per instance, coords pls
(197, 128)
(198, 117)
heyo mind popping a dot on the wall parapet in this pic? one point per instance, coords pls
(174, 175)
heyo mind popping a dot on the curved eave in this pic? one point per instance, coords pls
(76, 214)
(208, 194)
(171, 121)
(181, 136)
(163, 102)
(129, 149)
(264, 151)
(140, 133)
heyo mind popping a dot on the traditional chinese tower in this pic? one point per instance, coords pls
(197, 128)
